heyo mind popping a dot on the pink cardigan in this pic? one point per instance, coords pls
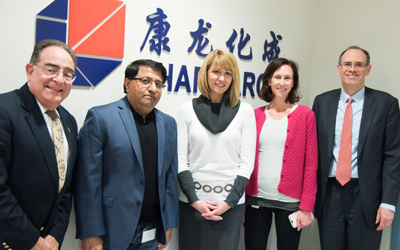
(300, 157)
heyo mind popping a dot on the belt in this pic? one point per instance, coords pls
(216, 189)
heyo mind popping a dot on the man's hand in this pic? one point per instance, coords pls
(42, 244)
(93, 243)
(384, 218)
(169, 233)
(52, 241)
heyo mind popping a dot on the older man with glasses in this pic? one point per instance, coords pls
(37, 152)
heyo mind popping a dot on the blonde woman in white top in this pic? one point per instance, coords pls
(216, 145)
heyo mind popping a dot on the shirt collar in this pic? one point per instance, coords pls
(357, 97)
(150, 115)
(43, 109)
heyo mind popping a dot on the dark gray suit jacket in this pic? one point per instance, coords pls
(378, 149)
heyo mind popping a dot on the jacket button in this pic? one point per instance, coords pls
(138, 203)
(141, 182)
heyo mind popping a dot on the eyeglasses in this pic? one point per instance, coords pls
(146, 82)
(348, 65)
(54, 71)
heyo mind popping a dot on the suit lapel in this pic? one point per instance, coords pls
(367, 117)
(130, 126)
(331, 118)
(161, 140)
(39, 129)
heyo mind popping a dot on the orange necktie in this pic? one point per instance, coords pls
(343, 170)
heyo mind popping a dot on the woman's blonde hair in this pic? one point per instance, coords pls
(227, 61)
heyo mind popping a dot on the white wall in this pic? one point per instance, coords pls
(370, 24)
(314, 33)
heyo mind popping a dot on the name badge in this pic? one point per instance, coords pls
(148, 235)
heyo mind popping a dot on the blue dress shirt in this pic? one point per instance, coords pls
(357, 106)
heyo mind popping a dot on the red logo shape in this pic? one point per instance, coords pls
(96, 32)
(97, 27)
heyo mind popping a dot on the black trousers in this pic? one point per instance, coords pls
(341, 223)
(258, 225)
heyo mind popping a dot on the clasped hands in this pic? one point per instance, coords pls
(211, 210)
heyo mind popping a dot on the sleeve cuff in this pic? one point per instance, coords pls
(237, 191)
(187, 185)
(388, 206)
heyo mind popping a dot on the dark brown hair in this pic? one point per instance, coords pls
(266, 93)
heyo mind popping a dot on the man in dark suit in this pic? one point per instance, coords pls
(126, 188)
(359, 164)
(35, 190)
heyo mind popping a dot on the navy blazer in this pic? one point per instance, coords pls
(378, 149)
(109, 177)
(30, 205)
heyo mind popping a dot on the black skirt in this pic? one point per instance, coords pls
(197, 233)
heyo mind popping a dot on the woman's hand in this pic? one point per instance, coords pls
(202, 206)
(206, 208)
(303, 219)
(219, 207)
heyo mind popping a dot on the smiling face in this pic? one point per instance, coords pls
(219, 81)
(144, 98)
(281, 82)
(50, 91)
(353, 78)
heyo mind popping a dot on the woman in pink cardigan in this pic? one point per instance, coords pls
(286, 162)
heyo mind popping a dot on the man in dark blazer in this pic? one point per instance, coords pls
(126, 188)
(34, 204)
(351, 214)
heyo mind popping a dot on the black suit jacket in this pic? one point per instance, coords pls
(378, 149)
(30, 205)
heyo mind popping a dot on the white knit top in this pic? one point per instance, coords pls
(216, 159)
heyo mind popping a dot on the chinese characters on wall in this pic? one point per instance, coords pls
(201, 45)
